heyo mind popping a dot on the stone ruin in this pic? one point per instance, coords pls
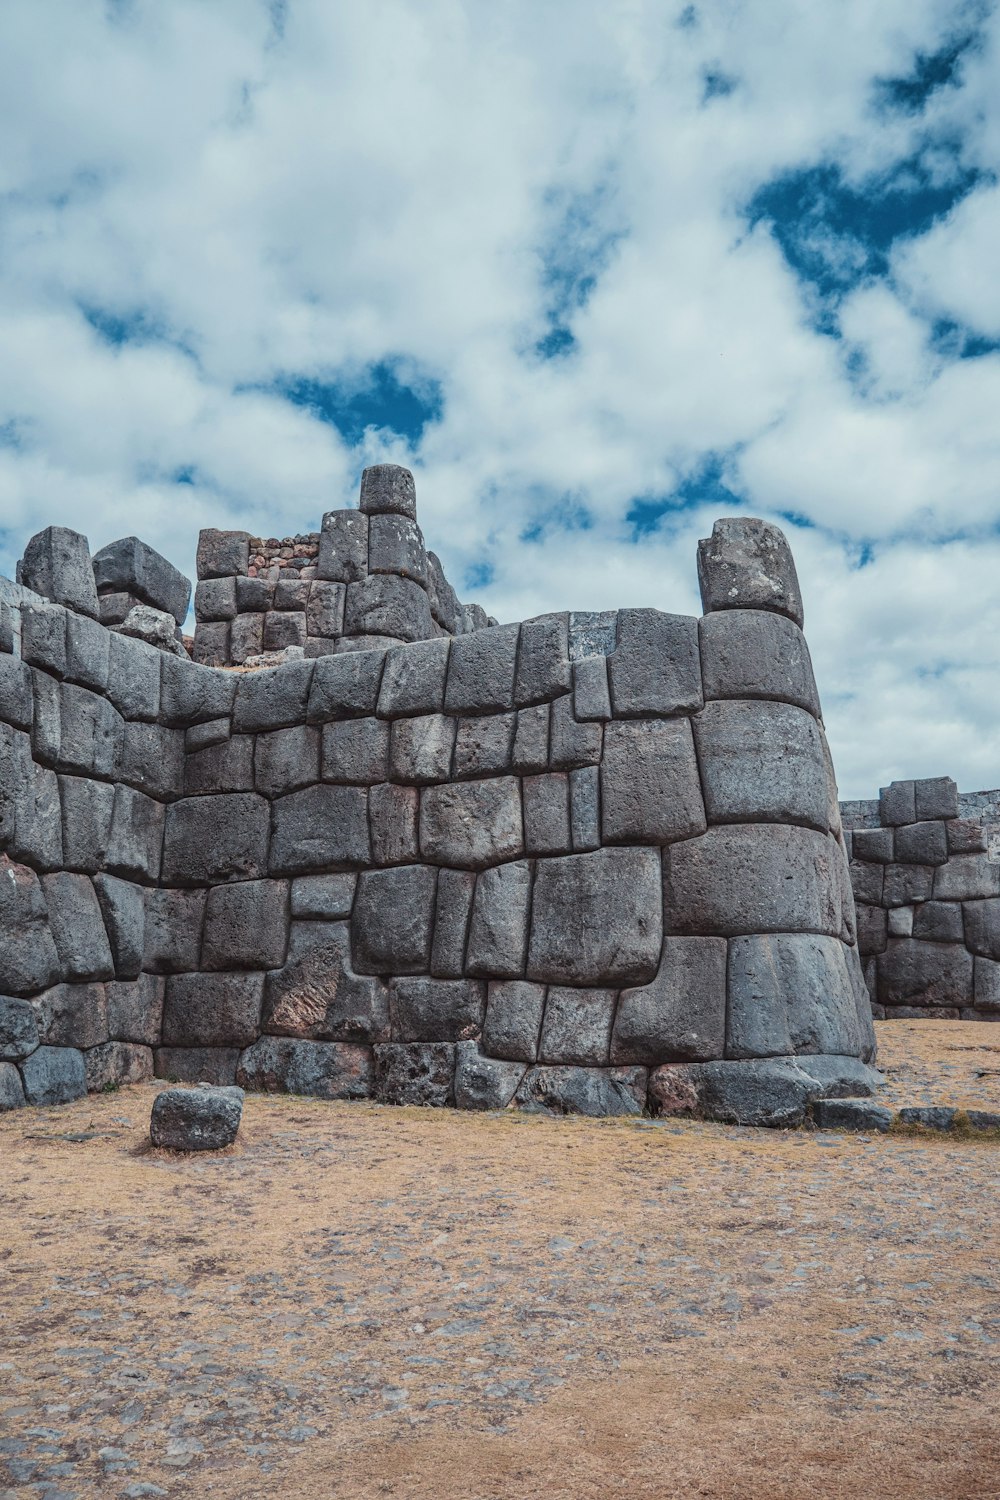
(591, 862)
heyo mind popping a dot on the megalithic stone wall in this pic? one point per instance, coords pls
(925, 869)
(588, 862)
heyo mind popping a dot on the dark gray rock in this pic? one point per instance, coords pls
(157, 628)
(585, 809)
(11, 1088)
(543, 667)
(54, 1075)
(941, 922)
(597, 918)
(212, 1010)
(17, 702)
(448, 1010)
(774, 1092)
(388, 489)
(323, 828)
(72, 1015)
(900, 922)
(345, 686)
(866, 881)
(874, 844)
(246, 926)
(204, 736)
(752, 653)
(392, 817)
(966, 836)
(221, 553)
(199, 1119)
(112, 1065)
(455, 893)
(967, 877)
(655, 668)
(132, 566)
(981, 926)
(393, 920)
(28, 958)
(481, 670)
(214, 838)
(77, 927)
(790, 993)
(650, 790)
(546, 814)
(136, 835)
(983, 1119)
(396, 545)
(531, 740)
(30, 815)
(422, 1073)
(591, 694)
(325, 608)
(851, 1114)
(18, 1029)
(287, 759)
(246, 636)
(747, 877)
(421, 749)
(762, 761)
(227, 766)
(356, 751)
(87, 807)
(92, 732)
(483, 1082)
(911, 972)
(273, 698)
(414, 678)
(747, 564)
(682, 1013)
(291, 593)
(572, 744)
(513, 1021)
(471, 824)
(282, 629)
(872, 929)
(583, 1091)
(498, 933)
(254, 595)
(46, 727)
(386, 604)
(323, 897)
(135, 1010)
(213, 1065)
(116, 608)
(986, 985)
(134, 677)
(56, 564)
(190, 694)
(343, 547)
(897, 804)
(322, 1070)
(123, 910)
(318, 996)
(43, 637)
(922, 843)
(444, 602)
(577, 1027)
(903, 884)
(174, 921)
(215, 599)
(929, 1116)
(935, 797)
(483, 744)
(88, 649)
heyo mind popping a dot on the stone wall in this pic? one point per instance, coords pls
(588, 862)
(925, 869)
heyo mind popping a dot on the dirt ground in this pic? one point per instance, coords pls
(361, 1301)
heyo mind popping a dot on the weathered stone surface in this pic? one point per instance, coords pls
(323, 897)
(929, 1116)
(136, 838)
(92, 732)
(987, 984)
(46, 727)
(498, 933)
(318, 996)
(747, 564)
(56, 564)
(576, 1029)
(396, 545)
(774, 1091)
(212, 1010)
(872, 929)
(116, 608)
(421, 749)
(214, 1065)
(790, 993)
(343, 547)
(866, 881)
(596, 918)
(762, 761)
(543, 667)
(246, 926)
(483, 744)
(421, 1073)
(221, 553)
(455, 892)
(215, 599)
(88, 651)
(650, 789)
(43, 637)
(966, 877)
(388, 489)
(204, 736)
(941, 922)
(286, 759)
(471, 824)
(320, 828)
(87, 807)
(655, 668)
(190, 694)
(291, 593)
(283, 628)
(325, 608)
(386, 604)
(226, 766)
(54, 1075)
(981, 925)
(11, 1088)
(572, 744)
(131, 566)
(911, 972)
(215, 838)
(753, 653)
(18, 1029)
(851, 1114)
(591, 694)
(135, 1010)
(513, 1021)
(356, 751)
(414, 678)
(481, 670)
(531, 739)
(123, 909)
(157, 628)
(345, 686)
(174, 921)
(897, 804)
(874, 844)
(323, 1070)
(246, 637)
(444, 602)
(393, 920)
(904, 884)
(922, 844)
(546, 814)
(747, 877)
(900, 921)
(682, 1013)
(77, 927)
(585, 809)
(17, 705)
(483, 1082)
(966, 836)
(199, 1119)
(392, 816)
(273, 698)
(112, 1064)
(133, 677)
(583, 1091)
(437, 1010)
(935, 797)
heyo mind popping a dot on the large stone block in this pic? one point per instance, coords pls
(17, 702)
(123, 910)
(18, 1029)
(88, 651)
(543, 666)
(323, 897)
(273, 698)
(212, 1065)
(572, 744)
(935, 797)
(981, 924)
(212, 1010)
(356, 751)
(681, 1015)
(747, 564)
(393, 920)
(422, 1073)
(966, 836)
(597, 918)
(322, 1070)
(221, 553)
(445, 607)
(286, 759)
(173, 928)
(471, 824)
(897, 804)
(483, 1082)
(325, 608)
(577, 1027)
(246, 636)
(11, 1088)
(873, 844)
(212, 643)
(133, 567)
(481, 671)
(656, 668)
(396, 545)
(77, 927)
(153, 760)
(546, 814)
(775, 1092)
(345, 687)
(762, 762)
(217, 838)
(986, 985)
(790, 993)
(43, 637)
(111, 1065)
(421, 749)
(583, 1091)
(204, 736)
(872, 928)
(54, 1075)
(30, 815)
(343, 547)
(746, 877)
(56, 564)
(414, 678)
(283, 628)
(246, 926)
(92, 732)
(591, 694)
(941, 922)
(483, 744)
(513, 1021)
(453, 910)
(87, 807)
(215, 599)
(531, 740)
(317, 995)
(386, 604)
(134, 677)
(135, 1009)
(903, 884)
(136, 839)
(911, 972)
(226, 766)
(388, 489)
(291, 593)
(922, 843)
(436, 1010)
(320, 828)
(650, 790)
(752, 653)
(392, 818)
(46, 726)
(498, 934)
(967, 877)
(72, 1015)
(200, 1119)
(585, 809)
(866, 881)
(190, 694)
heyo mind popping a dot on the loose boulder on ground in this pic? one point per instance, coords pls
(198, 1119)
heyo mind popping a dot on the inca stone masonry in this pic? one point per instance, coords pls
(370, 844)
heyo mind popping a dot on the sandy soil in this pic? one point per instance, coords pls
(360, 1301)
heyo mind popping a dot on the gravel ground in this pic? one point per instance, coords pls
(940, 1062)
(360, 1301)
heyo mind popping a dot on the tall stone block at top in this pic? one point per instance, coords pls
(56, 564)
(388, 489)
(131, 566)
(748, 564)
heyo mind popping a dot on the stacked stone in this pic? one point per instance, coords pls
(928, 902)
(365, 581)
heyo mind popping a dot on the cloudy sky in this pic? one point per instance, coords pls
(598, 271)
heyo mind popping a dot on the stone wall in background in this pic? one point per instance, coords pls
(925, 868)
(589, 862)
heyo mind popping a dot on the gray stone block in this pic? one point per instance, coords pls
(966, 836)
(905, 884)
(221, 553)
(681, 1015)
(585, 809)
(87, 807)
(592, 633)
(929, 1116)
(132, 566)
(967, 877)
(453, 910)
(421, 1073)
(11, 1088)
(223, 767)
(116, 608)
(583, 1091)
(498, 933)
(345, 687)
(596, 918)
(474, 617)
(774, 1092)
(286, 759)
(190, 694)
(317, 995)
(752, 653)
(747, 564)
(483, 1082)
(212, 1065)
(317, 646)
(393, 812)
(872, 928)
(448, 1010)
(650, 790)
(273, 698)
(212, 643)
(114, 1064)
(762, 762)
(88, 649)
(471, 824)
(746, 877)
(981, 928)
(17, 701)
(591, 694)
(246, 637)
(900, 922)
(866, 881)
(531, 740)
(134, 677)
(393, 919)
(323, 897)
(18, 1029)
(572, 744)
(897, 804)
(215, 599)
(513, 1021)
(30, 816)
(356, 751)
(199, 1119)
(656, 668)
(851, 1114)
(922, 844)
(935, 797)
(212, 1010)
(481, 671)
(54, 1075)
(911, 972)
(941, 922)
(444, 603)
(123, 909)
(483, 744)
(246, 926)
(343, 547)
(46, 727)
(204, 736)
(92, 732)
(136, 835)
(254, 595)
(72, 1015)
(77, 927)
(325, 608)
(291, 593)
(986, 984)
(396, 545)
(388, 489)
(56, 564)
(135, 1009)
(546, 814)
(543, 666)
(43, 637)
(414, 678)
(576, 1030)
(321, 1070)
(173, 928)
(282, 629)
(790, 993)
(386, 604)
(216, 838)
(28, 958)
(323, 828)
(983, 1119)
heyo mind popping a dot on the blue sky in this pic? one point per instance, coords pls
(598, 272)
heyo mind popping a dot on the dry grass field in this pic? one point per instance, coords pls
(360, 1301)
